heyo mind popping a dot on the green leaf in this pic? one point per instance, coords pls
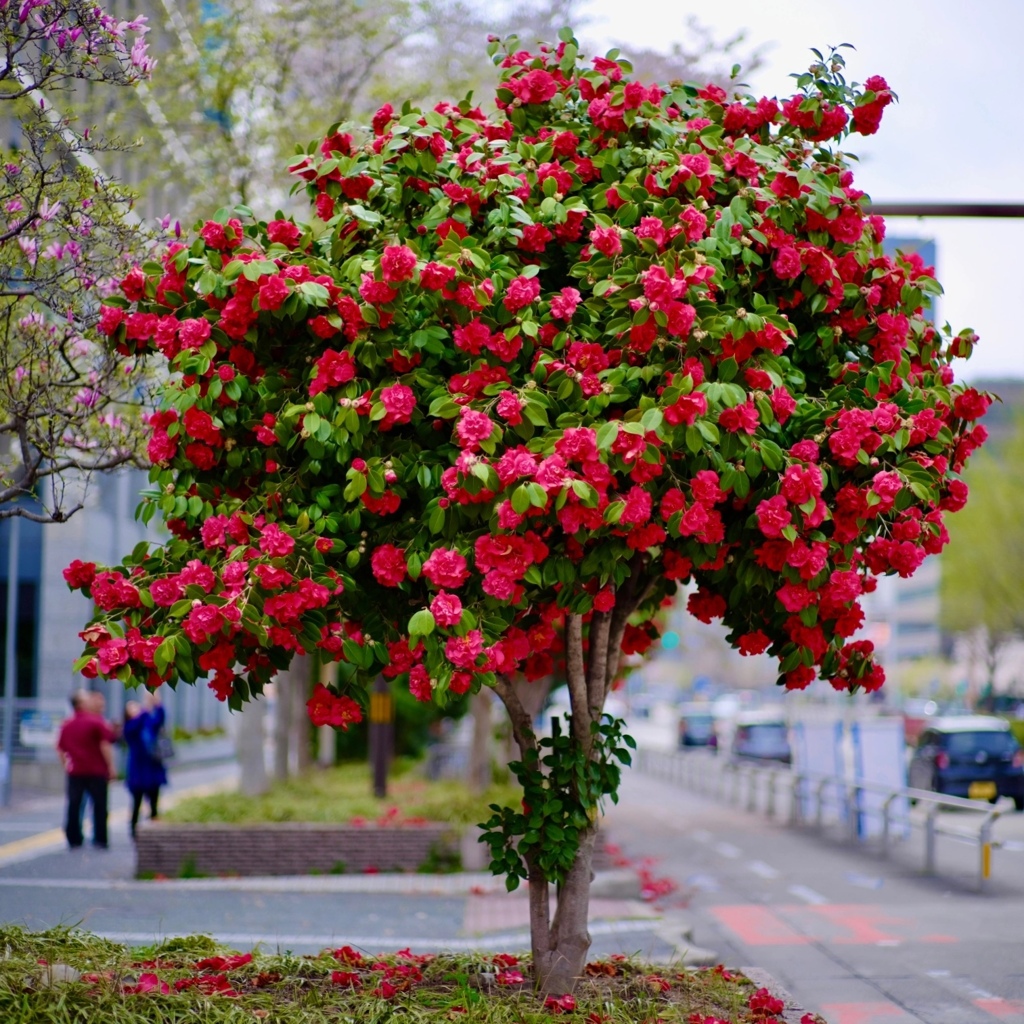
(422, 623)
(520, 499)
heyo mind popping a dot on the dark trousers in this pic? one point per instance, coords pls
(96, 788)
(152, 795)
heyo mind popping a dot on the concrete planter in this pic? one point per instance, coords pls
(291, 848)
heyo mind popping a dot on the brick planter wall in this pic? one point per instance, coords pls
(287, 848)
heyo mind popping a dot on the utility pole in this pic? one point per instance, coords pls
(10, 658)
(382, 735)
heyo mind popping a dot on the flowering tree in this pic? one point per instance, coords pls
(65, 399)
(518, 379)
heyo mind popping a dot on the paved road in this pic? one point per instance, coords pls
(857, 938)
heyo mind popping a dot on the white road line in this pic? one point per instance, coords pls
(728, 850)
(802, 892)
(761, 869)
(864, 881)
(706, 883)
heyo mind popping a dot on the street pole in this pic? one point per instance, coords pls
(10, 657)
(382, 734)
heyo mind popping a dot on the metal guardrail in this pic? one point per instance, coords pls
(808, 801)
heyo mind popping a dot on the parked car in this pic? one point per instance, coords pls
(761, 737)
(969, 755)
(697, 727)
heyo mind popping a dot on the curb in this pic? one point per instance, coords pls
(793, 1013)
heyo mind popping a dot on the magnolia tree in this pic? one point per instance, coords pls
(66, 401)
(518, 379)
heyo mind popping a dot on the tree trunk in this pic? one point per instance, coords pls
(282, 723)
(480, 748)
(560, 944)
(560, 950)
(249, 749)
(532, 696)
(303, 668)
(325, 746)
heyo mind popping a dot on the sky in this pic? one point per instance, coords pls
(954, 135)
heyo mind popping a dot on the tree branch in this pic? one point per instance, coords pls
(522, 726)
(576, 677)
(597, 662)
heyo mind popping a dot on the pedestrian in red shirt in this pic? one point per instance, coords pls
(86, 749)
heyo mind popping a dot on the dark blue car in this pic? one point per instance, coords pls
(971, 756)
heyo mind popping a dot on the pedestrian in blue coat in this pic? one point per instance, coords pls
(146, 772)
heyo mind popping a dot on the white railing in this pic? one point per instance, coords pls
(823, 801)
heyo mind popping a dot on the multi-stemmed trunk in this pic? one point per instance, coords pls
(560, 941)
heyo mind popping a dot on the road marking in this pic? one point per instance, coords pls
(758, 867)
(1005, 1009)
(1013, 845)
(862, 1013)
(38, 843)
(759, 926)
(706, 883)
(808, 895)
(701, 835)
(864, 881)
(728, 850)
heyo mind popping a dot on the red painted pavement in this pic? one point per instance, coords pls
(864, 1013)
(1004, 1009)
(758, 926)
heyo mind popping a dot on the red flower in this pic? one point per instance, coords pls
(463, 651)
(347, 978)
(520, 293)
(753, 643)
(399, 401)
(327, 708)
(331, 370)
(561, 1004)
(80, 574)
(971, 405)
(473, 427)
(537, 86)
(397, 263)
(435, 276)
(347, 955)
(686, 409)
(740, 418)
(284, 232)
(388, 564)
(637, 508)
(200, 455)
(787, 263)
(563, 305)
(446, 609)
(773, 516)
(275, 542)
(445, 567)
(111, 317)
(705, 606)
(419, 684)
(203, 621)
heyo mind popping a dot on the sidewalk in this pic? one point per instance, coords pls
(34, 824)
(43, 884)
